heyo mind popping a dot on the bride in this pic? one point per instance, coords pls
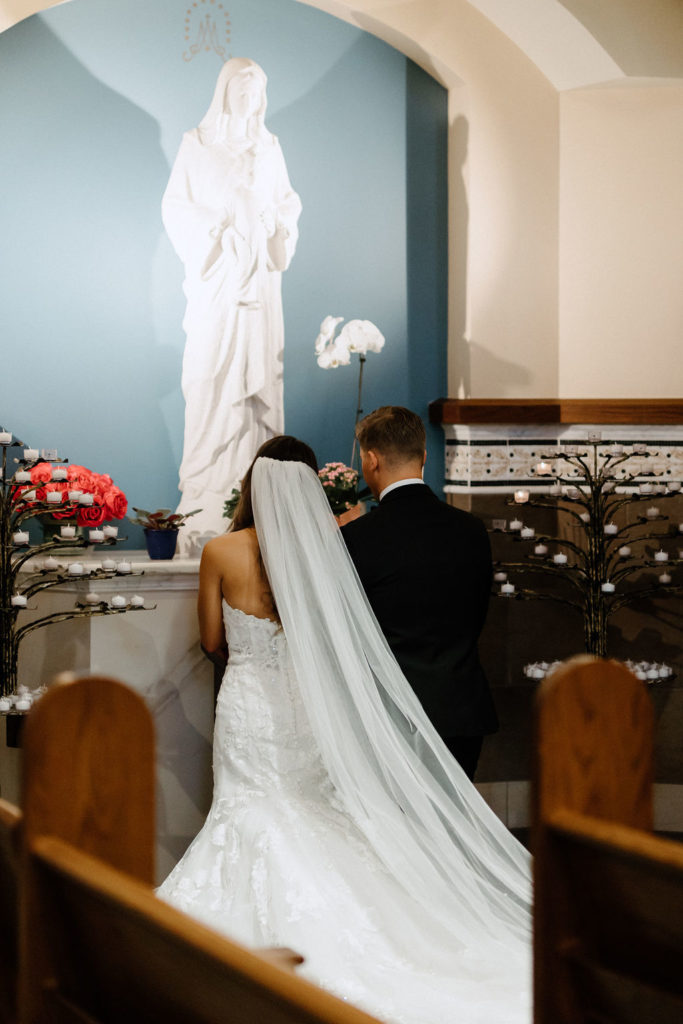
(340, 824)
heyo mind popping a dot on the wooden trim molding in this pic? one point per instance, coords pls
(556, 410)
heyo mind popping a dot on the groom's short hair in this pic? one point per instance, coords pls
(393, 431)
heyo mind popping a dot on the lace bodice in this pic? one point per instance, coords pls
(262, 735)
(252, 638)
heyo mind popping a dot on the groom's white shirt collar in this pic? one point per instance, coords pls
(400, 483)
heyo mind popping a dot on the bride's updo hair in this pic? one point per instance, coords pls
(283, 448)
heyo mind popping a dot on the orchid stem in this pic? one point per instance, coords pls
(359, 413)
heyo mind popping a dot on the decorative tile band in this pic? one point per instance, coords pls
(494, 459)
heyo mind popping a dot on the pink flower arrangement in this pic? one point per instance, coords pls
(109, 500)
(340, 483)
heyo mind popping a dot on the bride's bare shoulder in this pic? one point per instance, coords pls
(231, 550)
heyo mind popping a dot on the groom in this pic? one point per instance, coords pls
(426, 569)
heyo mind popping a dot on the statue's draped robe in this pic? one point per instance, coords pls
(222, 202)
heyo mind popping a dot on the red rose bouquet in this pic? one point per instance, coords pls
(109, 501)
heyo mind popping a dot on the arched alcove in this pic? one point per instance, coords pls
(514, 71)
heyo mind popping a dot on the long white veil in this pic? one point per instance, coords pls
(396, 778)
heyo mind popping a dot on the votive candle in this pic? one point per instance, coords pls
(560, 558)
(31, 454)
(608, 588)
(118, 601)
(516, 524)
(67, 531)
(652, 512)
(19, 601)
(22, 476)
(661, 556)
(5, 437)
(611, 529)
(58, 473)
(20, 537)
(96, 536)
(86, 499)
(624, 551)
(75, 494)
(124, 567)
(665, 578)
(76, 569)
(507, 588)
(521, 497)
(541, 549)
(137, 601)
(53, 497)
(110, 531)
(527, 532)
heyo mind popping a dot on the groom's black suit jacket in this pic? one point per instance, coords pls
(426, 569)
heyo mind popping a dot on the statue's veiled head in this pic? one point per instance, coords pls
(240, 92)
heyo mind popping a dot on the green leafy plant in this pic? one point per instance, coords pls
(230, 505)
(162, 519)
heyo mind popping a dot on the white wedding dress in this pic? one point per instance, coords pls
(289, 857)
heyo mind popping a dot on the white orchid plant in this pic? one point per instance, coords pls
(357, 336)
(360, 336)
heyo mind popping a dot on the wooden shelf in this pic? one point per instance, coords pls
(557, 410)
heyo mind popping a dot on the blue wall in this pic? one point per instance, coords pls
(95, 97)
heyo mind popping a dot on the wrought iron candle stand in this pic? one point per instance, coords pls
(592, 487)
(18, 584)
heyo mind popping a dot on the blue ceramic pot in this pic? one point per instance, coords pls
(161, 543)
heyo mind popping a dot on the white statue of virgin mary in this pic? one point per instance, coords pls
(231, 215)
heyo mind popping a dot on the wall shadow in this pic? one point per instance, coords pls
(427, 254)
(82, 177)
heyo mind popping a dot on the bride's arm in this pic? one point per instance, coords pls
(210, 608)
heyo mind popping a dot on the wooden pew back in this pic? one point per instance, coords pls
(96, 945)
(117, 953)
(89, 773)
(88, 779)
(10, 822)
(608, 916)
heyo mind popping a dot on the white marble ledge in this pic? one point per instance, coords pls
(147, 574)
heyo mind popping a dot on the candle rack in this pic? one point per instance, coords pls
(19, 583)
(592, 483)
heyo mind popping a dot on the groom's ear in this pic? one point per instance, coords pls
(371, 459)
